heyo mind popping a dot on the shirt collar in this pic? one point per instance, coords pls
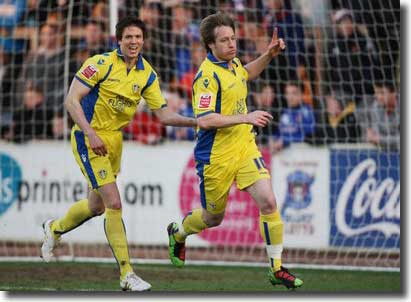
(213, 59)
(139, 65)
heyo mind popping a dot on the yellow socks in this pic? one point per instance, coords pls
(75, 216)
(271, 228)
(116, 236)
(192, 224)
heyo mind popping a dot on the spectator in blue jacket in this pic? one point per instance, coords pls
(297, 121)
(185, 30)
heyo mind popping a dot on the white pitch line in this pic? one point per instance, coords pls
(211, 263)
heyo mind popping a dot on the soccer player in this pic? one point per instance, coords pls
(102, 99)
(226, 150)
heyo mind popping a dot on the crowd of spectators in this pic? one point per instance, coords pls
(341, 88)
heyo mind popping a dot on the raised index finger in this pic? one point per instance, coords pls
(275, 35)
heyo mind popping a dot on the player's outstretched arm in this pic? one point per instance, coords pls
(255, 67)
(214, 120)
(72, 104)
(170, 118)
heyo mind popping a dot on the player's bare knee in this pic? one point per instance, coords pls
(268, 206)
(99, 211)
(114, 204)
(213, 220)
(212, 223)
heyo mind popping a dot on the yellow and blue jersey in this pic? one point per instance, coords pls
(217, 89)
(116, 91)
(109, 106)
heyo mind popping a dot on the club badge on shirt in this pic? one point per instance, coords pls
(89, 71)
(102, 173)
(205, 101)
(135, 88)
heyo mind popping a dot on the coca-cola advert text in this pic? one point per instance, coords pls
(365, 199)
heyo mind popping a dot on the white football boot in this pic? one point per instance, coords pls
(49, 243)
(132, 282)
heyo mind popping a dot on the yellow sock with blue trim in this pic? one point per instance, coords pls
(76, 215)
(192, 224)
(116, 236)
(272, 228)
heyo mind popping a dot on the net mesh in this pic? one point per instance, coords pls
(341, 67)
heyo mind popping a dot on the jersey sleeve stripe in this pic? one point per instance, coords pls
(107, 74)
(150, 81)
(140, 63)
(88, 103)
(218, 100)
(83, 153)
(205, 141)
(197, 76)
(83, 82)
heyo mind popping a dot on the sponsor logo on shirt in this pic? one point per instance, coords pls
(120, 103)
(89, 71)
(205, 101)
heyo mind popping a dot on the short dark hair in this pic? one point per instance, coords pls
(126, 22)
(209, 24)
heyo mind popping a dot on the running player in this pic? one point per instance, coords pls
(102, 99)
(226, 150)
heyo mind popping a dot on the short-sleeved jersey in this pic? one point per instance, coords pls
(217, 89)
(116, 91)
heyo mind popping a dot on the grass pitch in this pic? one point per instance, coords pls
(68, 276)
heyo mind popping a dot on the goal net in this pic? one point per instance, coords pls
(333, 148)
